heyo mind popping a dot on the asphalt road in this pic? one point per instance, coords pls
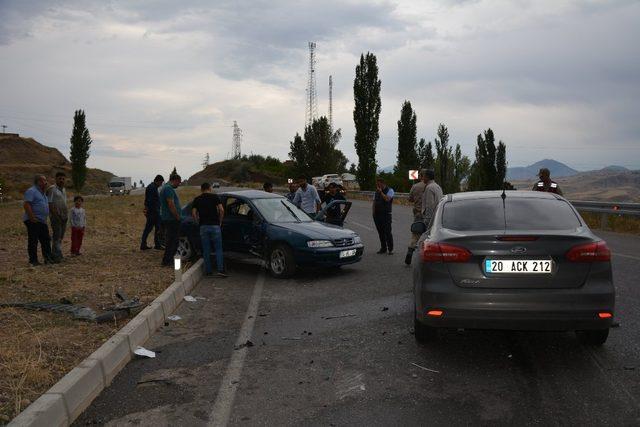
(336, 348)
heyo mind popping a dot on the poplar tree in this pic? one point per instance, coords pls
(407, 155)
(80, 145)
(366, 113)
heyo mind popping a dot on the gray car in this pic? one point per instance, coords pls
(511, 260)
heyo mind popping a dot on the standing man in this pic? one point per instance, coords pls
(382, 202)
(545, 183)
(208, 212)
(293, 187)
(307, 198)
(268, 187)
(58, 214)
(170, 214)
(415, 196)
(335, 215)
(152, 212)
(431, 197)
(36, 211)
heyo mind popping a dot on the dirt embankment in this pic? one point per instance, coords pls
(22, 158)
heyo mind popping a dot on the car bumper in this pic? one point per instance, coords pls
(328, 256)
(521, 309)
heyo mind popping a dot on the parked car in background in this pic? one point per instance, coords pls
(215, 184)
(328, 179)
(523, 260)
(120, 185)
(316, 182)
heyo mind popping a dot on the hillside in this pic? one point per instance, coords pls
(253, 168)
(22, 158)
(607, 185)
(557, 169)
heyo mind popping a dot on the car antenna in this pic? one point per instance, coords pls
(504, 208)
(504, 190)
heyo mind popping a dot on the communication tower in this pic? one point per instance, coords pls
(311, 112)
(331, 103)
(237, 140)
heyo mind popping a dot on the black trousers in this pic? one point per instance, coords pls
(38, 232)
(153, 221)
(383, 225)
(171, 230)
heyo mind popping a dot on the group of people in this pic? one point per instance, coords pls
(164, 215)
(44, 203)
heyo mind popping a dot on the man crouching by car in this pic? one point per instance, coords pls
(207, 210)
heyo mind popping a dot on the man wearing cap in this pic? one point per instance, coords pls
(545, 183)
(152, 212)
(415, 196)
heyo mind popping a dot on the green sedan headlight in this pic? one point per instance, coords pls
(319, 243)
(357, 240)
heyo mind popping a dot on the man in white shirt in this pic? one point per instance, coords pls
(58, 214)
(307, 198)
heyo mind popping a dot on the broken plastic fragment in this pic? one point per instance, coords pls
(141, 351)
(189, 298)
(174, 317)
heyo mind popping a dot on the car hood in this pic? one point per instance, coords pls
(317, 230)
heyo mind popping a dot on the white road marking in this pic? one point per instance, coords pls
(627, 256)
(219, 416)
(366, 227)
(350, 385)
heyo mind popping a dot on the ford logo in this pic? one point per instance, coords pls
(518, 250)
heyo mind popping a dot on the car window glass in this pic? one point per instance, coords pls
(238, 208)
(521, 214)
(276, 210)
(540, 214)
(474, 214)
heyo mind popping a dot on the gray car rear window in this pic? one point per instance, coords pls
(521, 214)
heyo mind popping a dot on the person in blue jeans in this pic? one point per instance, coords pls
(208, 211)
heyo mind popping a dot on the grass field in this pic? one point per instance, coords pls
(38, 348)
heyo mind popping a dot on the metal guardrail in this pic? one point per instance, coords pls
(603, 208)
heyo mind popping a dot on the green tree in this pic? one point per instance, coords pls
(80, 145)
(426, 158)
(353, 169)
(173, 172)
(317, 154)
(490, 167)
(366, 113)
(407, 141)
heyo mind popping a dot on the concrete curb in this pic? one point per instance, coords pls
(69, 397)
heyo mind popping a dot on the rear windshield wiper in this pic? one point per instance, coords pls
(291, 211)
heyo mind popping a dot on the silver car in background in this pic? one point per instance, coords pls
(511, 260)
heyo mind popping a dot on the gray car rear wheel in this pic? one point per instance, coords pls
(594, 337)
(184, 250)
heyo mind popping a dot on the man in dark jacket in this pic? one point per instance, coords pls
(152, 212)
(382, 202)
(545, 183)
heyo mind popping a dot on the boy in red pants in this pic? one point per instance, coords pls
(78, 222)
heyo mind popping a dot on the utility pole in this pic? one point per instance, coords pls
(237, 140)
(331, 103)
(311, 112)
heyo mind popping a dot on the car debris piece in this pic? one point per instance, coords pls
(426, 369)
(77, 312)
(189, 298)
(141, 351)
(174, 317)
(339, 317)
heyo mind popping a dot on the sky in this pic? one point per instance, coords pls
(161, 82)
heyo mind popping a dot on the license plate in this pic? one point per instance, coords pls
(348, 253)
(517, 266)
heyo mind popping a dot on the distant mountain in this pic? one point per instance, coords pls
(615, 168)
(556, 168)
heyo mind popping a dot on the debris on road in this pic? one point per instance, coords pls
(174, 317)
(143, 352)
(426, 369)
(385, 308)
(292, 338)
(249, 343)
(189, 298)
(339, 317)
